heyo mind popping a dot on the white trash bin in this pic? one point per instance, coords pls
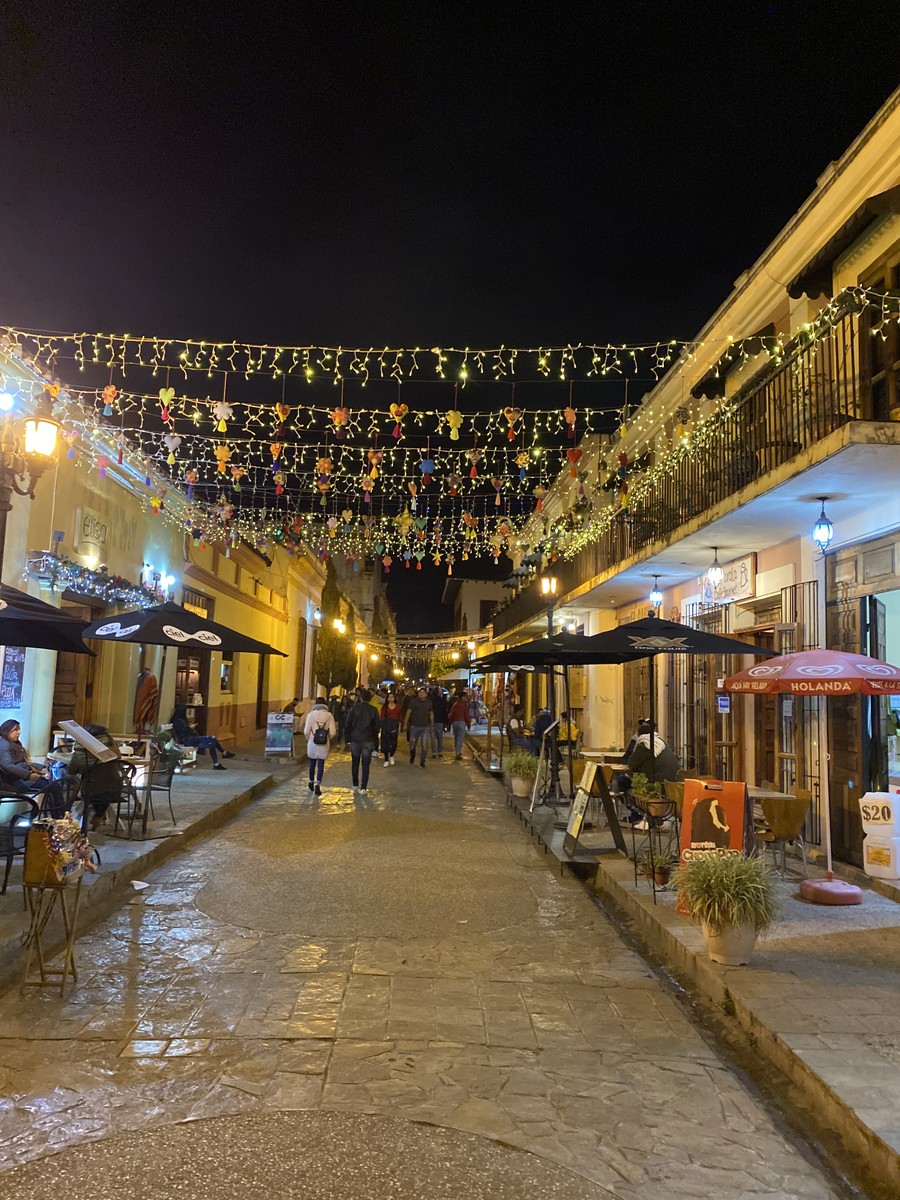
(880, 812)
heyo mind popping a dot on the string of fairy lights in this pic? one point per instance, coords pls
(248, 458)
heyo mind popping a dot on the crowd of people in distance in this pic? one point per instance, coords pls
(370, 723)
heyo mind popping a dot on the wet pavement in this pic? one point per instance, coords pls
(396, 995)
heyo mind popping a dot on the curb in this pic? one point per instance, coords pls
(105, 888)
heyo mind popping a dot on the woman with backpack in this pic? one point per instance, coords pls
(318, 731)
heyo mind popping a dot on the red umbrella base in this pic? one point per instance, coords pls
(830, 891)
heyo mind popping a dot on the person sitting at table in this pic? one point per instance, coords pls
(567, 731)
(658, 764)
(101, 782)
(517, 732)
(185, 736)
(19, 776)
(542, 723)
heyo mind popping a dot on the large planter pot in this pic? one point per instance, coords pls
(732, 947)
(520, 787)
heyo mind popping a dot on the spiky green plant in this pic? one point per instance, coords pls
(723, 890)
(520, 762)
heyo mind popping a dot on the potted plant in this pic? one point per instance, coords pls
(659, 866)
(732, 897)
(521, 768)
(652, 796)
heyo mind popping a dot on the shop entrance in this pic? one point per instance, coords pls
(73, 688)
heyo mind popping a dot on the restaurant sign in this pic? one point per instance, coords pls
(738, 582)
(91, 534)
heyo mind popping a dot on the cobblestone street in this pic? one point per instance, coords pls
(333, 993)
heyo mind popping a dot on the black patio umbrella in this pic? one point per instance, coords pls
(172, 625)
(650, 636)
(563, 649)
(28, 622)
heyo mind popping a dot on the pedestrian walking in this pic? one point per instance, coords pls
(419, 719)
(362, 730)
(440, 708)
(319, 731)
(390, 729)
(460, 718)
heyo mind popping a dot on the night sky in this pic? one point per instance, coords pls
(389, 174)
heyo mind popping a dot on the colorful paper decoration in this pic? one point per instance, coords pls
(426, 466)
(512, 416)
(166, 396)
(102, 464)
(110, 392)
(171, 441)
(454, 420)
(398, 412)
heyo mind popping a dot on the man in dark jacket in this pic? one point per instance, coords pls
(440, 708)
(419, 719)
(657, 763)
(361, 730)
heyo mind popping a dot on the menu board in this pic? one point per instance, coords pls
(12, 677)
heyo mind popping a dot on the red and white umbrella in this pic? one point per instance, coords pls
(820, 673)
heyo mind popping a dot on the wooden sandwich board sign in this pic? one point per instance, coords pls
(593, 783)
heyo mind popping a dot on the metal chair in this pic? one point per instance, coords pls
(161, 774)
(16, 815)
(785, 818)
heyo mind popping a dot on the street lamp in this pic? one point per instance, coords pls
(23, 460)
(549, 585)
(339, 625)
(823, 530)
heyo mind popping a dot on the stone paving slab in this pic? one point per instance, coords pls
(534, 1025)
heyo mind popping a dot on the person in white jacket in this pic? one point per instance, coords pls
(319, 731)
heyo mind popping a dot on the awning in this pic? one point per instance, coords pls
(816, 278)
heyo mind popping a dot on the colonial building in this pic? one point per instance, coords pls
(787, 400)
(103, 536)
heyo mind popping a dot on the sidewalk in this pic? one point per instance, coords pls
(202, 800)
(821, 1000)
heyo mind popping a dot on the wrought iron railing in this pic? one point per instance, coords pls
(817, 384)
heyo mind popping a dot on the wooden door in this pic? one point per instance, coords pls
(73, 689)
(765, 718)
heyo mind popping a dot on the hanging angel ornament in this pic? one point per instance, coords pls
(474, 456)
(190, 478)
(574, 457)
(539, 493)
(407, 559)
(282, 412)
(120, 448)
(570, 418)
(413, 490)
(275, 449)
(454, 419)
(497, 485)
(166, 397)
(453, 484)
(374, 457)
(102, 464)
(110, 392)
(386, 563)
(222, 453)
(279, 477)
(171, 441)
(237, 474)
(426, 466)
(512, 415)
(347, 516)
(332, 524)
(70, 437)
(404, 522)
(367, 483)
(521, 461)
(451, 559)
(398, 412)
(222, 414)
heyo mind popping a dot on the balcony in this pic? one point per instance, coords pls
(819, 383)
